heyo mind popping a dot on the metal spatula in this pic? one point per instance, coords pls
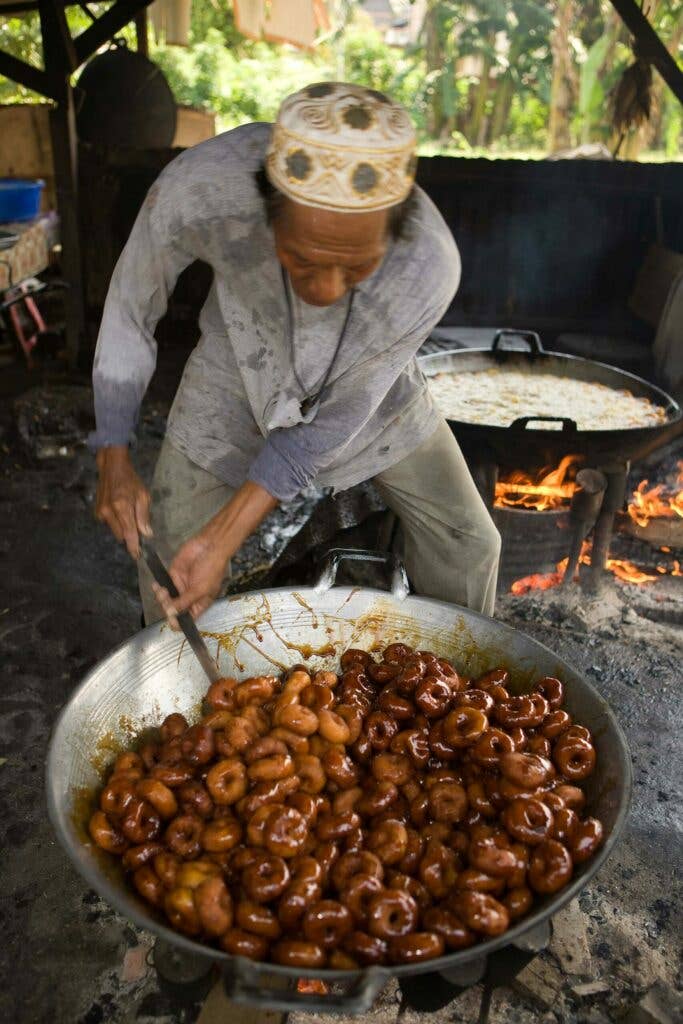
(185, 620)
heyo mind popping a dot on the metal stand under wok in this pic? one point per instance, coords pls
(189, 978)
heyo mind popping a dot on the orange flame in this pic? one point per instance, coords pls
(657, 502)
(549, 488)
(626, 571)
(313, 986)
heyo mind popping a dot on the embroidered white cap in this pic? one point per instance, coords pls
(342, 147)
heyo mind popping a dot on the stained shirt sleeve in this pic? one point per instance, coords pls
(291, 457)
(125, 356)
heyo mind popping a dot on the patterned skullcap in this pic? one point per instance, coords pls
(342, 147)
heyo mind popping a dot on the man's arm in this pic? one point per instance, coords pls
(199, 567)
(124, 363)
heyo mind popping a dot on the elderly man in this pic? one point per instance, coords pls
(330, 269)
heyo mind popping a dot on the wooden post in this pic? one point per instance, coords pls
(65, 158)
(60, 62)
(141, 35)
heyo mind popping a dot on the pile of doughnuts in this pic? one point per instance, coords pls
(383, 815)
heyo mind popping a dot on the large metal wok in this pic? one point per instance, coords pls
(546, 446)
(154, 674)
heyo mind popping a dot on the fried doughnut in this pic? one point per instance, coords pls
(396, 705)
(183, 836)
(159, 796)
(585, 839)
(317, 698)
(527, 770)
(478, 699)
(490, 747)
(220, 695)
(410, 949)
(557, 722)
(391, 913)
(487, 854)
(340, 768)
(257, 920)
(574, 757)
(181, 911)
(448, 925)
(495, 677)
(298, 953)
(117, 796)
(149, 885)
(572, 796)
(194, 798)
(214, 906)
(327, 923)
(221, 836)
(357, 893)
(227, 781)
(527, 711)
(310, 773)
(564, 825)
(438, 869)
(550, 867)
(241, 943)
(285, 832)
(366, 949)
(414, 743)
(140, 823)
(256, 690)
(528, 820)
(447, 802)
(137, 856)
(354, 864)
(353, 656)
(433, 696)
(518, 901)
(552, 689)
(481, 912)
(353, 719)
(266, 878)
(389, 841)
(396, 768)
(333, 727)
(295, 743)
(478, 881)
(105, 835)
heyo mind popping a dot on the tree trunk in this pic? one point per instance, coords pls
(563, 84)
(501, 106)
(434, 59)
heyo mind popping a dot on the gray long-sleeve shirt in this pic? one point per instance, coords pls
(237, 412)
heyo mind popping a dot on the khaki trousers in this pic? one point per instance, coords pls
(450, 546)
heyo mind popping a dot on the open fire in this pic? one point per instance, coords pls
(660, 502)
(624, 570)
(547, 489)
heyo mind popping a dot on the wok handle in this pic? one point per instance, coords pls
(400, 588)
(568, 425)
(256, 984)
(532, 339)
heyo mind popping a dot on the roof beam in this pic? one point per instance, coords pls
(118, 15)
(25, 74)
(650, 45)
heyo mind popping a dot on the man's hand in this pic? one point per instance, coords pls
(199, 567)
(197, 571)
(122, 498)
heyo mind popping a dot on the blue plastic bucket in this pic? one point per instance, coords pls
(19, 199)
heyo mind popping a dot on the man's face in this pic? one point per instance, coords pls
(325, 253)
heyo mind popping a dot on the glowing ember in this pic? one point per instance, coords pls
(659, 502)
(549, 488)
(626, 571)
(312, 986)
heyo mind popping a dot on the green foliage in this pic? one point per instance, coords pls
(479, 76)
